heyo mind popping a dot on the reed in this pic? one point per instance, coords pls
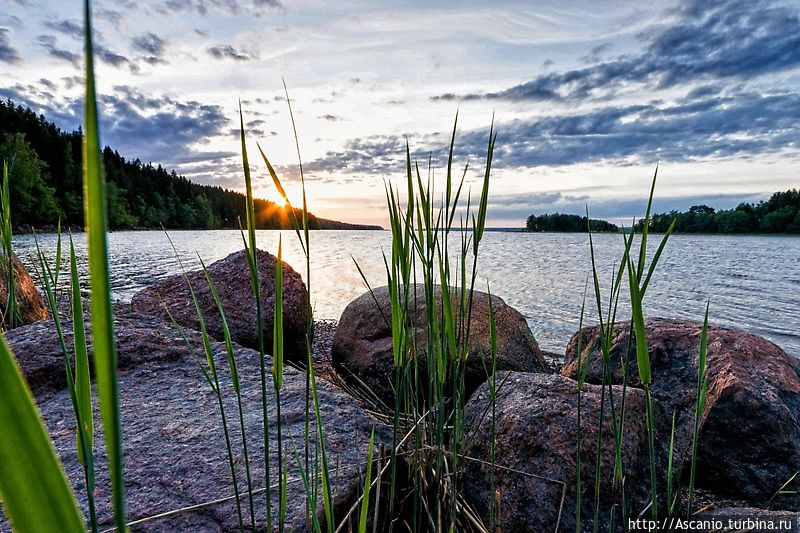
(78, 380)
(237, 388)
(252, 260)
(11, 313)
(103, 343)
(702, 389)
(212, 378)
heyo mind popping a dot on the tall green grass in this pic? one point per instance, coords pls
(78, 380)
(11, 313)
(36, 494)
(425, 490)
(425, 461)
(634, 266)
(103, 342)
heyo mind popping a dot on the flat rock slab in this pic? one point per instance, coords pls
(175, 454)
(749, 443)
(231, 276)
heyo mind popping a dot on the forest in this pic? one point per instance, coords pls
(779, 214)
(46, 185)
(559, 222)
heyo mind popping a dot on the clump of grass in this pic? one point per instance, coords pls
(78, 380)
(11, 313)
(429, 380)
(702, 389)
(639, 274)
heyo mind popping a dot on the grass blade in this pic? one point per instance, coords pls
(277, 326)
(362, 520)
(33, 486)
(11, 311)
(105, 351)
(702, 386)
(83, 386)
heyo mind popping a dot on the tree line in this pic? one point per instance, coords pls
(46, 185)
(560, 222)
(779, 214)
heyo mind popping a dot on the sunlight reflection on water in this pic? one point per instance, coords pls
(752, 282)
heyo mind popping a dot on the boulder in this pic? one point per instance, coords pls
(232, 279)
(175, 454)
(30, 303)
(362, 345)
(536, 448)
(749, 442)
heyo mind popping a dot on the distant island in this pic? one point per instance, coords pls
(779, 214)
(559, 222)
(46, 185)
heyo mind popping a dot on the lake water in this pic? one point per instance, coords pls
(752, 282)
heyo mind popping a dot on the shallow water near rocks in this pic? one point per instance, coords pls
(752, 282)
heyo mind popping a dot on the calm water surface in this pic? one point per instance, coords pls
(753, 282)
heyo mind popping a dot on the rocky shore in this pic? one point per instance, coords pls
(175, 454)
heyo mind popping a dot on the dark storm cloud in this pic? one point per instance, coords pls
(731, 39)
(226, 51)
(66, 27)
(8, 54)
(741, 125)
(50, 43)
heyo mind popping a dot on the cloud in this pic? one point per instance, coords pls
(8, 54)
(201, 7)
(110, 57)
(152, 46)
(66, 27)
(149, 43)
(729, 39)
(112, 16)
(713, 127)
(226, 51)
(49, 43)
(157, 128)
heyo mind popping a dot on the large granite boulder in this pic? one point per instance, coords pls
(30, 304)
(232, 279)
(749, 442)
(362, 345)
(536, 449)
(175, 453)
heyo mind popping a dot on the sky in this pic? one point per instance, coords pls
(586, 97)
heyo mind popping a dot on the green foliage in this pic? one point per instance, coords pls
(10, 314)
(567, 223)
(139, 194)
(779, 214)
(32, 198)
